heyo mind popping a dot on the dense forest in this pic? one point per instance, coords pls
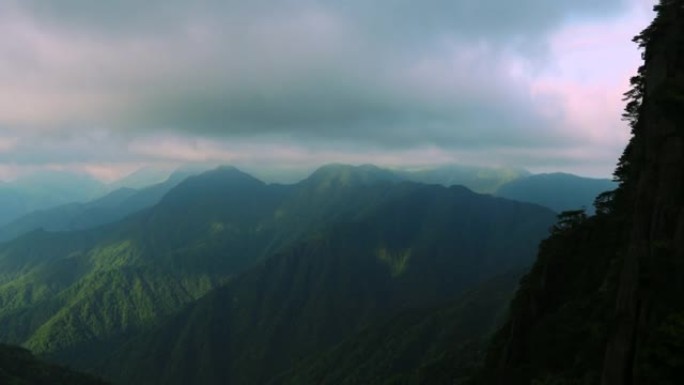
(19, 367)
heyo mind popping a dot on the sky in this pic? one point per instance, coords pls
(106, 88)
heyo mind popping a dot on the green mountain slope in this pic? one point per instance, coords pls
(19, 367)
(421, 246)
(604, 302)
(67, 294)
(76, 296)
(424, 346)
(71, 294)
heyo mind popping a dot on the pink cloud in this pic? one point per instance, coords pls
(7, 144)
(583, 88)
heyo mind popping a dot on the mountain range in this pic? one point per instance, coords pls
(294, 268)
(356, 275)
(44, 190)
(114, 206)
(558, 191)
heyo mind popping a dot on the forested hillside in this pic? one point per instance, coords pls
(19, 367)
(420, 247)
(437, 345)
(77, 296)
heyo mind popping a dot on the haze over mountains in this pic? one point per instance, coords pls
(367, 243)
(44, 190)
(558, 191)
(113, 206)
(353, 275)
(73, 211)
(102, 285)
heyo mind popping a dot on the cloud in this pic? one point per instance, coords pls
(468, 17)
(460, 76)
(8, 144)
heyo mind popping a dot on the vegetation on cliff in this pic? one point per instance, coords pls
(604, 301)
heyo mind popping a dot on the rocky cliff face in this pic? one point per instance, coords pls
(605, 300)
(649, 301)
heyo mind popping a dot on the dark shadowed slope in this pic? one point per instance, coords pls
(439, 345)
(419, 247)
(20, 367)
(604, 303)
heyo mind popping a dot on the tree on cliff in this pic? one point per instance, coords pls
(604, 302)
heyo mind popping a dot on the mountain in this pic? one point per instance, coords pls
(438, 345)
(44, 190)
(14, 203)
(20, 367)
(142, 178)
(418, 247)
(604, 301)
(558, 191)
(352, 245)
(484, 180)
(110, 208)
(70, 294)
(71, 216)
(340, 175)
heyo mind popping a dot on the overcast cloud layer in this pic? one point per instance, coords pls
(107, 87)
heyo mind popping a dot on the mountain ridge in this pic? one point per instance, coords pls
(73, 295)
(109, 208)
(400, 255)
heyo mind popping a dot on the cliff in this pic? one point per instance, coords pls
(604, 302)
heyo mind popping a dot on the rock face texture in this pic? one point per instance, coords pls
(604, 303)
(652, 275)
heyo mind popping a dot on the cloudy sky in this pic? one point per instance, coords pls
(107, 87)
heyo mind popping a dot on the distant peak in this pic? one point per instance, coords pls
(226, 173)
(564, 176)
(345, 175)
(340, 167)
(219, 181)
(222, 175)
(225, 168)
